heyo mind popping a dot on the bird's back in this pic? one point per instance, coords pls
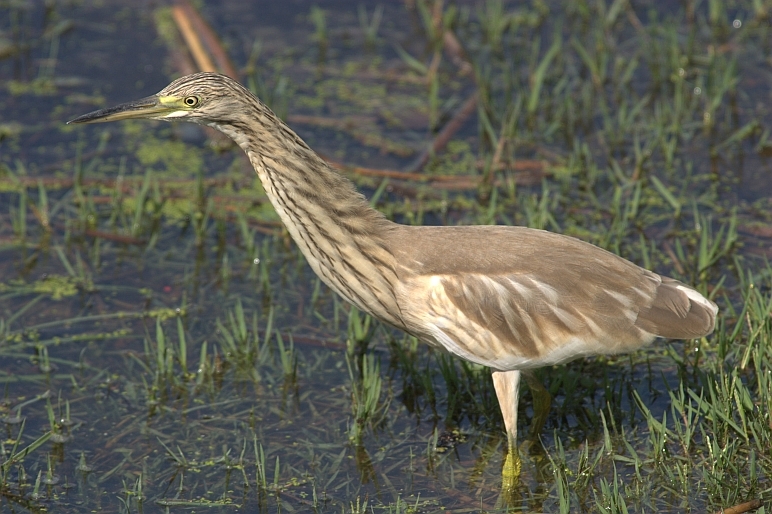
(513, 297)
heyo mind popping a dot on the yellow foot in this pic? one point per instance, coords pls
(510, 479)
(510, 474)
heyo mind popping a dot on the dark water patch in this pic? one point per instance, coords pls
(163, 343)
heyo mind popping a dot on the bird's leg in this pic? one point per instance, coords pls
(542, 399)
(507, 384)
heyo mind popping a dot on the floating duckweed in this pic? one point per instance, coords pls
(174, 156)
(58, 286)
(164, 314)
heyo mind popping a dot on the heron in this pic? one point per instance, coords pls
(507, 297)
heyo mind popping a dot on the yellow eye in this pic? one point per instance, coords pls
(191, 101)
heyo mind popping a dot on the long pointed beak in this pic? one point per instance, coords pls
(149, 107)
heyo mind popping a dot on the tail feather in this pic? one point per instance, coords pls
(678, 312)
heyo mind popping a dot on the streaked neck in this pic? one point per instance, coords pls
(340, 235)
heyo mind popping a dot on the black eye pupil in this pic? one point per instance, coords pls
(190, 101)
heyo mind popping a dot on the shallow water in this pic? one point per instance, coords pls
(122, 330)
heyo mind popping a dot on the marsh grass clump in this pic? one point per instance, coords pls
(367, 407)
(469, 391)
(361, 329)
(146, 284)
(240, 342)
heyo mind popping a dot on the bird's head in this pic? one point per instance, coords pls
(205, 98)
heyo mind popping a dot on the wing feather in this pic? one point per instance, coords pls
(512, 297)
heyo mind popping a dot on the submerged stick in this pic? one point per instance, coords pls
(742, 507)
(210, 39)
(184, 24)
